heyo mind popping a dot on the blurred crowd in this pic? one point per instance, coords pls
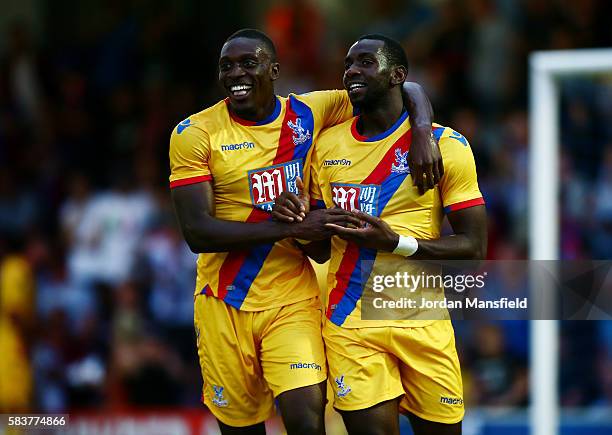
(96, 282)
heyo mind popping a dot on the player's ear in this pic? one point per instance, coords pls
(274, 70)
(398, 75)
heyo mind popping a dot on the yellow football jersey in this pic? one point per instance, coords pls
(371, 174)
(250, 164)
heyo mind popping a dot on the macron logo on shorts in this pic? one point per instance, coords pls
(300, 365)
(451, 400)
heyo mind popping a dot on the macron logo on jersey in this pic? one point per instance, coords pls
(362, 197)
(238, 146)
(337, 162)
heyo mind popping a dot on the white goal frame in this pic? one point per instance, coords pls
(545, 68)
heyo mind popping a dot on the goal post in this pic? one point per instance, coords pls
(545, 69)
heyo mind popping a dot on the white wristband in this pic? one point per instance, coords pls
(406, 246)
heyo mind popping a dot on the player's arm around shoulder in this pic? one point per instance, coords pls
(329, 107)
(425, 160)
(192, 192)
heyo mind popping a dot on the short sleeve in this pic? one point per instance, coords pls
(459, 185)
(189, 155)
(331, 107)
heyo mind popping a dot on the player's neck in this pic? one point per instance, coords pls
(259, 113)
(380, 117)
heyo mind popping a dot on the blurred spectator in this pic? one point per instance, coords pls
(21, 69)
(18, 206)
(107, 238)
(144, 370)
(492, 45)
(16, 333)
(601, 234)
(49, 361)
(579, 385)
(498, 376)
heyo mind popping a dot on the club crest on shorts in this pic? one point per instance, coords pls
(401, 162)
(219, 400)
(265, 184)
(362, 197)
(342, 388)
(300, 134)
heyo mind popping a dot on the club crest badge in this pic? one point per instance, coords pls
(401, 162)
(219, 400)
(341, 387)
(300, 134)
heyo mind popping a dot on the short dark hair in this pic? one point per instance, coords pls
(392, 49)
(258, 35)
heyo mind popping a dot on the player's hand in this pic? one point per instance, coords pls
(289, 207)
(370, 232)
(315, 226)
(425, 160)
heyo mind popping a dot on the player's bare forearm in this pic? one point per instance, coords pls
(468, 243)
(203, 232)
(216, 235)
(455, 247)
(424, 159)
(319, 251)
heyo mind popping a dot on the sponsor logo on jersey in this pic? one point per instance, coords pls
(265, 184)
(219, 400)
(337, 162)
(341, 388)
(301, 365)
(362, 197)
(238, 146)
(451, 400)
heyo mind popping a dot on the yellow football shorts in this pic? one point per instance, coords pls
(368, 366)
(249, 358)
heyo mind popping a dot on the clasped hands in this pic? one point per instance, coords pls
(354, 226)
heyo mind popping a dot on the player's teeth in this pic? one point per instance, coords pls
(239, 88)
(240, 93)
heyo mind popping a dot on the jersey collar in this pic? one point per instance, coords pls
(267, 120)
(379, 136)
